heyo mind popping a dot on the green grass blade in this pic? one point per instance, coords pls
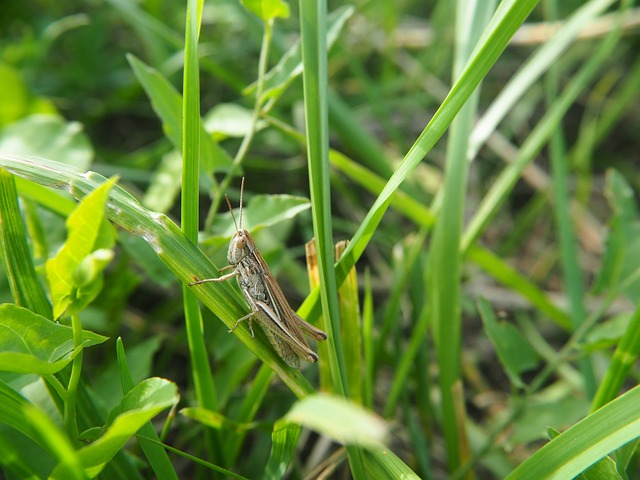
(386, 464)
(351, 330)
(156, 455)
(624, 358)
(546, 56)
(586, 442)
(444, 267)
(191, 128)
(535, 141)
(18, 263)
(314, 49)
(506, 21)
(313, 23)
(508, 276)
(573, 277)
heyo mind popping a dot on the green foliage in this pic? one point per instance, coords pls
(74, 274)
(495, 331)
(30, 343)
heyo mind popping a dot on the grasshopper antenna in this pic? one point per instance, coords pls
(241, 195)
(231, 210)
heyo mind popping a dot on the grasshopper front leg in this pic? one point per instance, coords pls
(219, 279)
(223, 278)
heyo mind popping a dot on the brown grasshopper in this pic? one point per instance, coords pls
(269, 307)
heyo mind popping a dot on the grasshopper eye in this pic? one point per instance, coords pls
(242, 241)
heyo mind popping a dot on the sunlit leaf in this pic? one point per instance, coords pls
(339, 419)
(88, 231)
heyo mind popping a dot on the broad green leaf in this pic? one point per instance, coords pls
(285, 438)
(264, 211)
(88, 231)
(167, 103)
(267, 10)
(342, 420)
(622, 255)
(49, 136)
(165, 183)
(290, 65)
(607, 333)
(138, 406)
(30, 343)
(231, 120)
(544, 410)
(514, 351)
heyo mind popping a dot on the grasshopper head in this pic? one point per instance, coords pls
(240, 246)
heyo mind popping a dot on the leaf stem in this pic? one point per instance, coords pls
(70, 420)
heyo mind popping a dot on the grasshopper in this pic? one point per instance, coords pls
(269, 307)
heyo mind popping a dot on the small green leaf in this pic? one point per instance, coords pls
(88, 231)
(339, 419)
(231, 120)
(30, 343)
(215, 420)
(264, 211)
(140, 405)
(267, 10)
(92, 266)
(290, 65)
(514, 351)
